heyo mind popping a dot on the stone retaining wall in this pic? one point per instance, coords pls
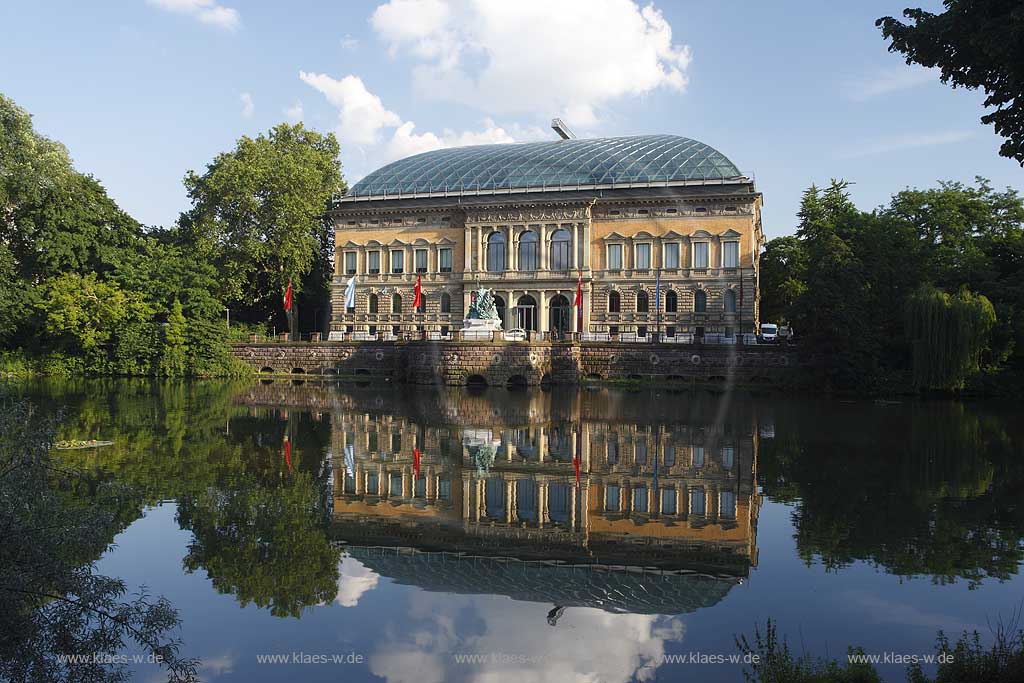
(501, 363)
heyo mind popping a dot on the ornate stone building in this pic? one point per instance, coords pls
(527, 220)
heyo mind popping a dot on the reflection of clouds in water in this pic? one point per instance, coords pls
(587, 645)
(895, 612)
(354, 579)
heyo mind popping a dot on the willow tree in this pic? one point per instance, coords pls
(948, 335)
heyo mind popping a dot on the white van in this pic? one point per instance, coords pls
(769, 332)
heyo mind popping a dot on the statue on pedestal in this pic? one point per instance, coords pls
(482, 314)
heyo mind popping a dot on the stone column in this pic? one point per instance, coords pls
(542, 446)
(432, 265)
(468, 249)
(575, 251)
(544, 247)
(541, 489)
(586, 243)
(510, 500)
(465, 498)
(510, 251)
(542, 312)
(572, 508)
(657, 257)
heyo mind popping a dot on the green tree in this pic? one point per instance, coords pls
(975, 44)
(783, 273)
(257, 212)
(173, 363)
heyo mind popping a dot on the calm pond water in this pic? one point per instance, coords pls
(429, 534)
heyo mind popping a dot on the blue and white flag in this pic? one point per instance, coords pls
(350, 293)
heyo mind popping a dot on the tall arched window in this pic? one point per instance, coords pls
(671, 302)
(446, 302)
(642, 302)
(614, 302)
(561, 247)
(529, 251)
(730, 301)
(700, 301)
(496, 252)
(396, 303)
(372, 303)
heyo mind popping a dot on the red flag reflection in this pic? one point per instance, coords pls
(288, 453)
(416, 461)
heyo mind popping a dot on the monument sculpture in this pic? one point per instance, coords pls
(483, 314)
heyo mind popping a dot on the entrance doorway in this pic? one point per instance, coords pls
(526, 313)
(560, 318)
(499, 305)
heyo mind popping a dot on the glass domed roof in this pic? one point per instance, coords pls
(555, 165)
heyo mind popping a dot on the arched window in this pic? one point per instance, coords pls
(561, 246)
(700, 301)
(730, 301)
(496, 252)
(614, 302)
(671, 302)
(642, 302)
(529, 251)
(396, 303)
(446, 302)
(372, 302)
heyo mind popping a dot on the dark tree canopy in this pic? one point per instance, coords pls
(975, 44)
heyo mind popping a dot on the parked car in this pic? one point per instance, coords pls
(515, 334)
(769, 333)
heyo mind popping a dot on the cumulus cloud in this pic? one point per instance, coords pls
(382, 136)
(887, 81)
(525, 56)
(206, 11)
(354, 579)
(295, 112)
(248, 106)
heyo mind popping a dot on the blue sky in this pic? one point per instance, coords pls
(793, 92)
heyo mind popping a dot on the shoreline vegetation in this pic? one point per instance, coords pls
(924, 296)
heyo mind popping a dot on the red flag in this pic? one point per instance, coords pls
(288, 296)
(579, 303)
(416, 461)
(417, 299)
(288, 453)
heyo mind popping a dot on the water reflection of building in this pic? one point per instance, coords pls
(673, 494)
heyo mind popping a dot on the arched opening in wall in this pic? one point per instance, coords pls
(446, 302)
(671, 302)
(614, 302)
(516, 382)
(496, 252)
(331, 371)
(546, 382)
(500, 307)
(298, 371)
(730, 301)
(476, 382)
(529, 251)
(266, 380)
(267, 370)
(526, 313)
(298, 382)
(561, 248)
(560, 315)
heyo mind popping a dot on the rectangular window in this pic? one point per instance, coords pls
(672, 255)
(372, 483)
(397, 261)
(396, 485)
(643, 257)
(668, 501)
(396, 442)
(444, 489)
(373, 264)
(700, 254)
(614, 257)
(727, 504)
(641, 331)
(731, 255)
(350, 263)
(613, 450)
(420, 488)
(670, 331)
(698, 503)
(445, 258)
(670, 455)
(421, 260)
(640, 452)
(640, 499)
(371, 442)
(728, 457)
(611, 498)
(698, 456)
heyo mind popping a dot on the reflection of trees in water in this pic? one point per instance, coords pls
(54, 606)
(259, 531)
(264, 544)
(932, 489)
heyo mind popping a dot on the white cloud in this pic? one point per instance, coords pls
(349, 43)
(908, 141)
(363, 120)
(886, 81)
(354, 579)
(248, 107)
(295, 112)
(206, 11)
(527, 56)
(361, 114)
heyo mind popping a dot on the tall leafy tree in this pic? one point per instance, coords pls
(257, 213)
(783, 270)
(975, 44)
